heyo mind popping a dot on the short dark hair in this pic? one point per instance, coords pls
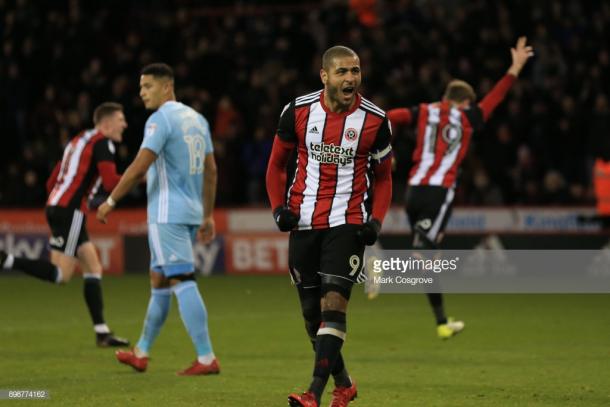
(459, 91)
(158, 70)
(104, 110)
(338, 51)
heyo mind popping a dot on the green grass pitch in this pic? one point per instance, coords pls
(517, 350)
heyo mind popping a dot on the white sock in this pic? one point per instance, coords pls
(8, 263)
(59, 276)
(101, 329)
(206, 359)
(139, 353)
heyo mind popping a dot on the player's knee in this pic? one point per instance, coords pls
(96, 270)
(312, 326)
(312, 316)
(311, 309)
(64, 275)
(310, 303)
(158, 280)
(422, 241)
(336, 289)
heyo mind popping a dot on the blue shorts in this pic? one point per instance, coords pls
(171, 248)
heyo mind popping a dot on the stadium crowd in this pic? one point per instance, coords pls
(239, 65)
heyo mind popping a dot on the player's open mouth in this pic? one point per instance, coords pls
(348, 91)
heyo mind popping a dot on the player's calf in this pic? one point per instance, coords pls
(40, 269)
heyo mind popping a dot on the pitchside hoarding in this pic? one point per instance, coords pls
(249, 243)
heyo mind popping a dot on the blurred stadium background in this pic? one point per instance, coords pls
(525, 182)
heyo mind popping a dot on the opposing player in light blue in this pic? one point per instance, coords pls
(177, 157)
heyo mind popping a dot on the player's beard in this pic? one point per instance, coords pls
(336, 94)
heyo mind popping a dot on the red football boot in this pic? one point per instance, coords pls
(197, 369)
(343, 395)
(128, 357)
(307, 399)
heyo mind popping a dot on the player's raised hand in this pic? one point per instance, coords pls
(207, 231)
(520, 54)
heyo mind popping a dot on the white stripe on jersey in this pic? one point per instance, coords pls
(366, 193)
(317, 118)
(162, 210)
(294, 179)
(284, 109)
(455, 119)
(156, 243)
(72, 166)
(343, 189)
(96, 187)
(427, 156)
(317, 92)
(372, 106)
(307, 98)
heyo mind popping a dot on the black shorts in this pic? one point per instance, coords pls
(429, 208)
(68, 229)
(336, 251)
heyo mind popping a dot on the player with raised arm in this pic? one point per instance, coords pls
(339, 135)
(87, 164)
(444, 130)
(178, 160)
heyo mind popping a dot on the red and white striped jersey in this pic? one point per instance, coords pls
(334, 153)
(444, 132)
(443, 137)
(78, 172)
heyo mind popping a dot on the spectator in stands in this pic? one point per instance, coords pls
(246, 58)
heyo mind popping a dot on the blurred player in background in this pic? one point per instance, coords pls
(87, 163)
(444, 130)
(177, 158)
(338, 135)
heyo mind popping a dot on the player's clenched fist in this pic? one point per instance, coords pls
(103, 211)
(369, 232)
(285, 219)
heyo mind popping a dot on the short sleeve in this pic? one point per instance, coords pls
(103, 150)
(382, 147)
(414, 115)
(286, 127)
(475, 117)
(156, 133)
(207, 135)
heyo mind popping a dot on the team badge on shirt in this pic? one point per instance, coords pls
(351, 134)
(150, 130)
